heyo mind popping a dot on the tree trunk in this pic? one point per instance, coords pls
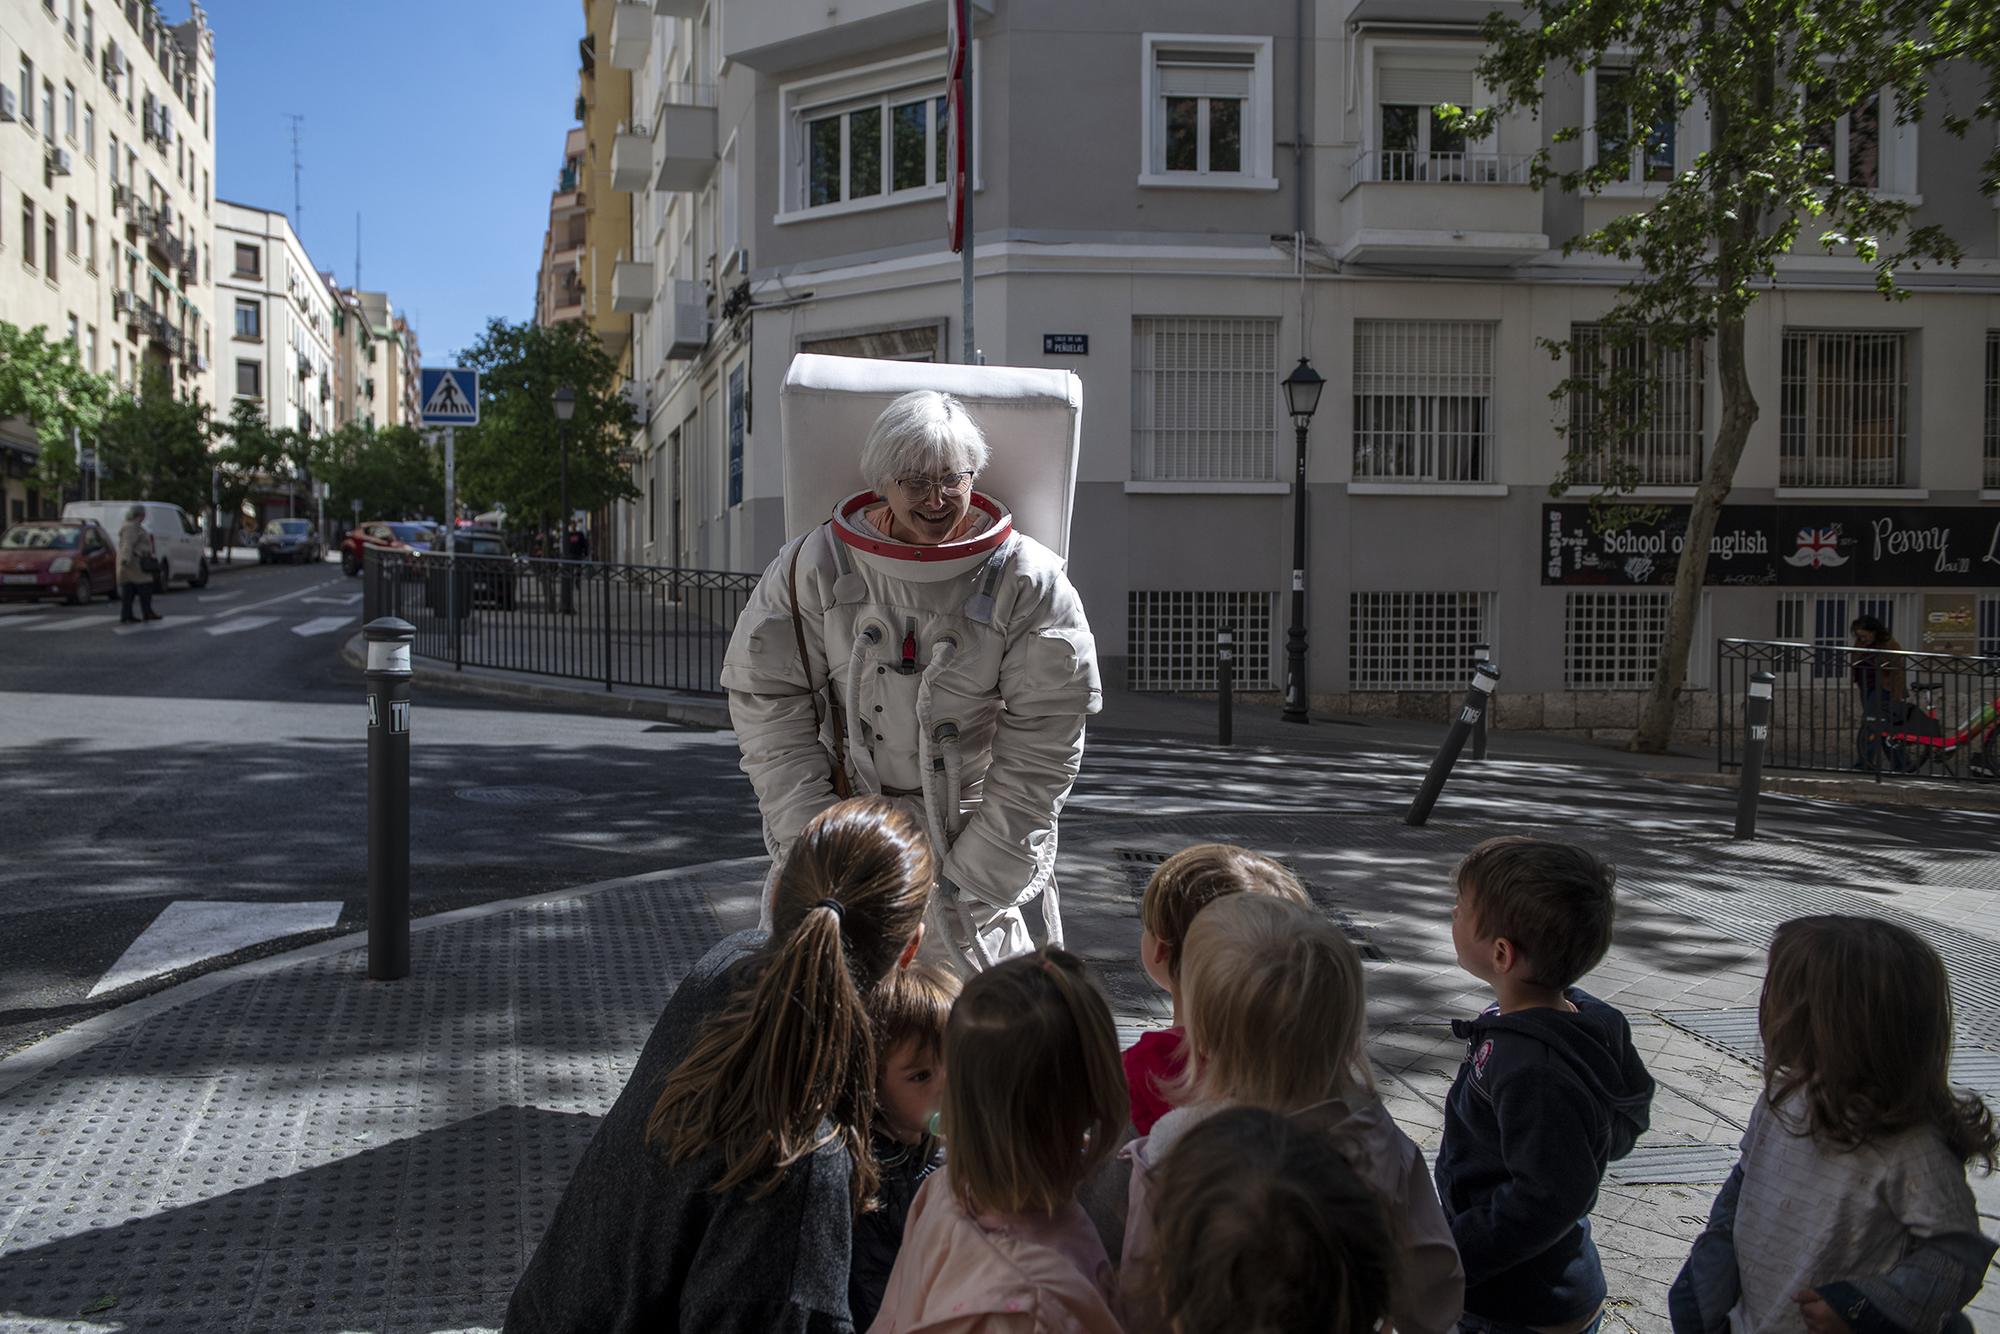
(1739, 413)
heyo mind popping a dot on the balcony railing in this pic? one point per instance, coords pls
(1405, 166)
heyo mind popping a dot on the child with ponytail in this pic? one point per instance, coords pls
(720, 1192)
(996, 1242)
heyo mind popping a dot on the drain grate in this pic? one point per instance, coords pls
(1674, 1165)
(1138, 864)
(518, 796)
(1734, 1032)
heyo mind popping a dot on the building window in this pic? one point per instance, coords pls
(1208, 110)
(1649, 157)
(27, 231)
(1664, 384)
(69, 112)
(90, 348)
(1611, 641)
(48, 111)
(90, 243)
(1852, 143)
(1204, 400)
(1423, 401)
(1991, 479)
(71, 235)
(894, 143)
(249, 379)
(249, 319)
(89, 132)
(1415, 641)
(1171, 638)
(249, 261)
(49, 244)
(1844, 408)
(75, 335)
(27, 92)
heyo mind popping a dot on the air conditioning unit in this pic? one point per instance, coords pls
(59, 162)
(8, 110)
(120, 198)
(736, 261)
(166, 214)
(121, 302)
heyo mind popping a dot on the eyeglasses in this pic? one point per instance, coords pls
(952, 485)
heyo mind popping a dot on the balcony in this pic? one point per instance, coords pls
(631, 162)
(686, 135)
(1468, 208)
(632, 286)
(687, 325)
(770, 37)
(631, 35)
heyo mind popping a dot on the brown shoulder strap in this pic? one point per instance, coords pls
(841, 787)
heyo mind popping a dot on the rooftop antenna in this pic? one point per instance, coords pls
(357, 250)
(298, 206)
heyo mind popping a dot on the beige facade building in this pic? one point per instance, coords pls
(280, 341)
(107, 169)
(1177, 201)
(559, 284)
(376, 358)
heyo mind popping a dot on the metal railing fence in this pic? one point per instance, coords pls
(1889, 713)
(621, 625)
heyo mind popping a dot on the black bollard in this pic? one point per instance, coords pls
(389, 797)
(1470, 711)
(1756, 731)
(1482, 654)
(1225, 685)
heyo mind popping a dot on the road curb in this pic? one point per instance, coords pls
(1858, 792)
(430, 673)
(51, 1051)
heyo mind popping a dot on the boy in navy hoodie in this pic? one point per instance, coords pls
(1550, 1090)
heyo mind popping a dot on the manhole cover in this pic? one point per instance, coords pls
(518, 796)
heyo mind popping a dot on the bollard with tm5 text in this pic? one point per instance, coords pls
(1757, 731)
(1225, 685)
(1470, 711)
(1481, 654)
(388, 676)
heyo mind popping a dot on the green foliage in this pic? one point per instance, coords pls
(512, 455)
(249, 454)
(44, 382)
(393, 472)
(155, 446)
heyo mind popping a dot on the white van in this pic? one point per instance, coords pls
(176, 537)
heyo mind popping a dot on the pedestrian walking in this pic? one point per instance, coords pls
(138, 559)
(1882, 682)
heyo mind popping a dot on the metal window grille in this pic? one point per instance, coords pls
(1844, 399)
(1171, 634)
(1989, 626)
(1992, 475)
(1204, 400)
(1423, 400)
(1667, 449)
(1415, 641)
(1611, 641)
(1826, 619)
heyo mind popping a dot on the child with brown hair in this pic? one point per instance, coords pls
(1264, 1227)
(996, 1242)
(1184, 884)
(910, 1012)
(1850, 1208)
(1277, 1018)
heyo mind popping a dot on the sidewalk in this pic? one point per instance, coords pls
(290, 1146)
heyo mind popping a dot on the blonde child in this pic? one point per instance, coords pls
(1183, 885)
(1263, 1225)
(1849, 1209)
(996, 1242)
(1277, 1018)
(910, 1012)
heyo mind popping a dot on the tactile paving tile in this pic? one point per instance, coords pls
(1735, 1032)
(1674, 1164)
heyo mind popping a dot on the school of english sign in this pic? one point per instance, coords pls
(1796, 546)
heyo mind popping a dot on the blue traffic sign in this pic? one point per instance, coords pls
(449, 396)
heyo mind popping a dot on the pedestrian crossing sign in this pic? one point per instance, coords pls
(448, 396)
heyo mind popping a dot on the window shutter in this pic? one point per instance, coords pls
(1217, 75)
(1425, 87)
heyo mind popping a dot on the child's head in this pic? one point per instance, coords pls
(1276, 1007)
(910, 1009)
(794, 1048)
(1036, 1096)
(1263, 1226)
(1856, 1020)
(1189, 881)
(1532, 909)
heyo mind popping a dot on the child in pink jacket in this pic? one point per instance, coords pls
(996, 1242)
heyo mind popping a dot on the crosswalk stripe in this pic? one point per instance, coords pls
(55, 623)
(240, 623)
(175, 622)
(321, 624)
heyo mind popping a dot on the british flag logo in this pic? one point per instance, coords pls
(1818, 548)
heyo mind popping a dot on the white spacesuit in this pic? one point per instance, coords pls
(963, 672)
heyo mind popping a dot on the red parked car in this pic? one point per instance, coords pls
(406, 536)
(73, 559)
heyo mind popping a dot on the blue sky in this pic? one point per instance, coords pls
(440, 121)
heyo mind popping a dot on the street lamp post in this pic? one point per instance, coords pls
(1302, 390)
(565, 401)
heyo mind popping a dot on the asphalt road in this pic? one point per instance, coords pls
(220, 755)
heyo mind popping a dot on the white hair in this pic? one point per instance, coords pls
(923, 433)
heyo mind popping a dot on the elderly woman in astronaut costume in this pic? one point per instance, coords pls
(946, 658)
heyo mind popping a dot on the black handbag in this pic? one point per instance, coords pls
(149, 564)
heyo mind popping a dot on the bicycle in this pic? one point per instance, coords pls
(1920, 741)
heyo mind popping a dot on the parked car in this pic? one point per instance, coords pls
(74, 559)
(290, 539)
(406, 536)
(176, 537)
(488, 576)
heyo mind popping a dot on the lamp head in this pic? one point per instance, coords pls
(1302, 390)
(565, 401)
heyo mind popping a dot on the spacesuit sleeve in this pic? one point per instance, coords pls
(771, 701)
(1048, 685)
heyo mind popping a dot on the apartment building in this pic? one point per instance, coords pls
(1141, 173)
(281, 332)
(107, 169)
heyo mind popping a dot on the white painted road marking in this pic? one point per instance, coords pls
(321, 625)
(337, 599)
(161, 626)
(76, 622)
(282, 597)
(222, 627)
(188, 931)
(218, 597)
